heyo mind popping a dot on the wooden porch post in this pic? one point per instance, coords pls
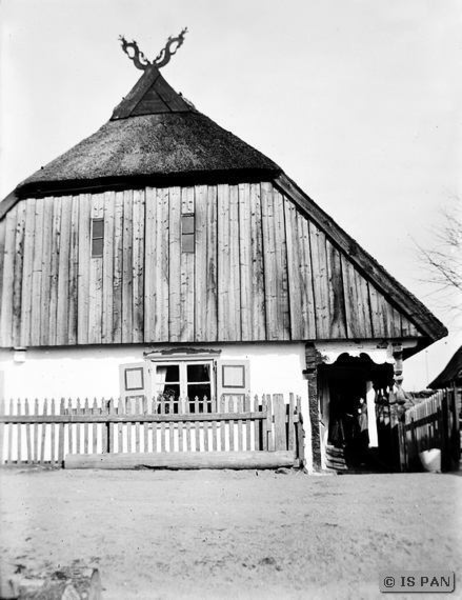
(312, 361)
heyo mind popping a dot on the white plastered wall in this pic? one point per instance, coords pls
(93, 372)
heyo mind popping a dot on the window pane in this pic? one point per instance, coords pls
(233, 376)
(199, 390)
(187, 224)
(134, 379)
(172, 373)
(98, 228)
(198, 372)
(171, 391)
(187, 242)
(97, 247)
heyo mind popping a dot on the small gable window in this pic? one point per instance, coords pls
(97, 237)
(187, 233)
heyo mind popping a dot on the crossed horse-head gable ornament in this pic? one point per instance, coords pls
(140, 61)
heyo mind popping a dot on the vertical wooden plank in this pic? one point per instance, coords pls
(231, 423)
(273, 326)
(214, 436)
(205, 428)
(9, 456)
(118, 268)
(151, 263)
(7, 290)
(157, 265)
(138, 265)
(187, 275)
(162, 437)
(127, 276)
(120, 440)
(321, 287)
(257, 424)
(201, 254)
(54, 271)
(84, 267)
(19, 434)
(281, 267)
(229, 309)
(18, 272)
(64, 274)
(240, 446)
(171, 436)
(46, 250)
(108, 268)
(378, 315)
(364, 308)
(264, 426)
(78, 428)
(290, 424)
(300, 433)
(180, 437)
(61, 435)
(2, 256)
(174, 265)
(307, 280)
(36, 434)
(279, 412)
(28, 457)
(336, 298)
(73, 284)
(293, 270)
(197, 431)
(53, 434)
(248, 423)
(86, 412)
(70, 437)
(211, 261)
(95, 287)
(94, 411)
(188, 436)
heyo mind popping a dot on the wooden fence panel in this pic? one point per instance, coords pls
(45, 432)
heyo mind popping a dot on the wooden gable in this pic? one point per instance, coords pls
(267, 265)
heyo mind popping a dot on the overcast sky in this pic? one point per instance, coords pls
(358, 100)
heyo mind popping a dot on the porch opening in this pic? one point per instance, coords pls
(351, 392)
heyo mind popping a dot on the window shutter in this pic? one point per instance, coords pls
(135, 385)
(233, 379)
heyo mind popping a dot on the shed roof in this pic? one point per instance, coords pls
(452, 373)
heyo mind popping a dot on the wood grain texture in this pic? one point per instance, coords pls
(54, 270)
(108, 279)
(174, 316)
(18, 270)
(187, 275)
(127, 268)
(260, 270)
(84, 248)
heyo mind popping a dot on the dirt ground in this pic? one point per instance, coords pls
(227, 534)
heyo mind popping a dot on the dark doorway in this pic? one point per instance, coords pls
(344, 409)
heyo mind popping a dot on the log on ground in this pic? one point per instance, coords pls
(182, 460)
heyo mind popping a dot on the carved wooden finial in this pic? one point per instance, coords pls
(141, 62)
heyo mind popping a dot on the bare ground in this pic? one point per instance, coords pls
(226, 534)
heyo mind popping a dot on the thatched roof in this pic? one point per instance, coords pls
(451, 374)
(153, 134)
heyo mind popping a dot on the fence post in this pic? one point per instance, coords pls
(279, 411)
(445, 447)
(455, 433)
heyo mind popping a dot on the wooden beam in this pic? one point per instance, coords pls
(312, 361)
(182, 460)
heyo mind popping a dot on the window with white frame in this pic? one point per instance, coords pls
(192, 381)
(196, 382)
